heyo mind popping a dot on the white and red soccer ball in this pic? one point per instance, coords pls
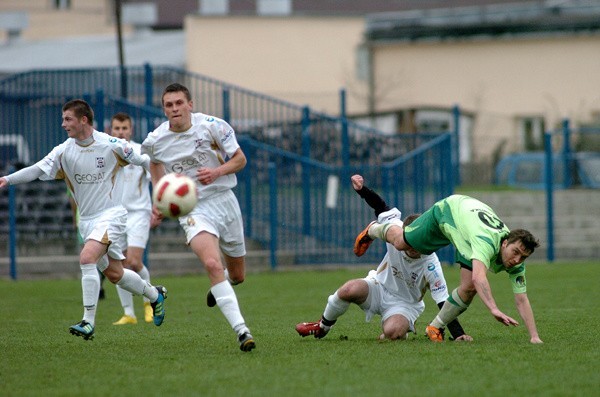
(175, 195)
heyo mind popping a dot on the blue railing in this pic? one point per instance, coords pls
(293, 154)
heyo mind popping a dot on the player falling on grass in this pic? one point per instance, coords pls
(88, 161)
(483, 243)
(395, 290)
(205, 149)
(134, 181)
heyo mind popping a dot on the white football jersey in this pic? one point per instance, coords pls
(134, 181)
(409, 278)
(90, 171)
(208, 143)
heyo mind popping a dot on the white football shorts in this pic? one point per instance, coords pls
(108, 228)
(381, 301)
(138, 228)
(221, 216)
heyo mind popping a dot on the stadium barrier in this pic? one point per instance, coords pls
(293, 155)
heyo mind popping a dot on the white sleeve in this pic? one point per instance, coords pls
(436, 280)
(25, 175)
(126, 151)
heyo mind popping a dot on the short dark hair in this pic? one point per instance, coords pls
(176, 87)
(410, 219)
(121, 116)
(80, 108)
(527, 239)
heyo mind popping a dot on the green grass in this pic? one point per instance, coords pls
(195, 352)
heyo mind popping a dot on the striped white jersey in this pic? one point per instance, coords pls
(208, 143)
(135, 184)
(90, 171)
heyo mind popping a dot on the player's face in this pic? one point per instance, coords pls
(75, 127)
(178, 110)
(513, 254)
(121, 129)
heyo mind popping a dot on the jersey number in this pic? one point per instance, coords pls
(491, 221)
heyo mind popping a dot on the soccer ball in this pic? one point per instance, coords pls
(175, 195)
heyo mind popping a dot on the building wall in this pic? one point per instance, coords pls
(301, 60)
(498, 81)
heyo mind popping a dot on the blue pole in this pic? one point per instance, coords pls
(566, 153)
(306, 177)
(345, 137)
(549, 195)
(12, 230)
(148, 84)
(99, 110)
(226, 106)
(456, 143)
(273, 212)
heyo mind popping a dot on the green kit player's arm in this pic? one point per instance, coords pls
(526, 312)
(484, 290)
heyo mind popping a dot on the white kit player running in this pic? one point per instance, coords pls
(394, 291)
(134, 180)
(205, 149)
(88, 161)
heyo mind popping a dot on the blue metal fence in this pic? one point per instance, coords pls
(292, 152)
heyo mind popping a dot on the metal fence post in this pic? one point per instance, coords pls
(345, 137)
(148, 92)
(99, 110)
(306, 224)
(549, 195)
(567, 153)
(273, 213)
(456, 143)
(226, 106)
(12, 228)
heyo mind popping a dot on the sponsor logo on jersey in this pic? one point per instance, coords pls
(520, 280)
(430, 267)
(100, 162)
(438, 286)
(227, 135)
(112, 140)
(84, 179)
(187, 164)
(127, 150)
(209, 119)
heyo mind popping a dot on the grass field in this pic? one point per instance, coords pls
(195, 352)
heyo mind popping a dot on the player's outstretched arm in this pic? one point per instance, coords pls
(373, 199)
(526, 312)
(485, 293)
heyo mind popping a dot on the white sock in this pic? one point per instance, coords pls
(335, 307)
(453, 307)
(379, 230)
(126, 299)
(133, 283)
(90, 288)
(145, 275)
(227, 302)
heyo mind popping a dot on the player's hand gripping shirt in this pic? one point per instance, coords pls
(90, 171)
(208, 143)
